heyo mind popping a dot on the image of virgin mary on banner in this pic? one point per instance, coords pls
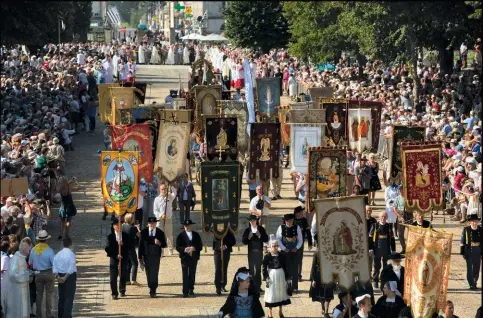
(327, 174)
(268, 95)
(264, 150)
(428, 257)
(367, 116)
(221, 137)
(136, 138)
(343, 241)
(119, 181)
(422, 184)
(336, 114)
(402, 133)
(220, 201)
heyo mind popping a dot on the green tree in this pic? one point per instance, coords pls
(256, 24)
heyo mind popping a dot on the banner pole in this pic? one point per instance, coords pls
(222, 261)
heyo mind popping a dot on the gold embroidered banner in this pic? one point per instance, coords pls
(284, 119)
(121, 98)
(421, 167)
(342, 236)
(172, 149)
(119, 173)
(428, 256)
(105, 111)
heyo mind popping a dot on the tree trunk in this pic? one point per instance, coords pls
(413, 55)
(446, 58)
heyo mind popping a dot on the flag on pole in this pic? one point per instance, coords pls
(62, 25)
(114, 16)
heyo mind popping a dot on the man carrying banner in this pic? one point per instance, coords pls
(255, 237)
(420, 221)
(163, 211)
(290, 240)
(381, 245)
(224, 246)
(471, 249)
(260, 206)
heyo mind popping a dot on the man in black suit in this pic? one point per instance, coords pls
(420, 221)
(186, 198)
(189, 245)
(255, 236)
(226, 248)
(150, 251)
(115, 239)
(394, 271)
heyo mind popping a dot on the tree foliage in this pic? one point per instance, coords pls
(37, 23)
(256, 24)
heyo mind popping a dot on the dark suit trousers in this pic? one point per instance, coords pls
(473, 264)
(300, 258)
(66, 296)
(226, 259)
(255, 259)
(380, 257)
(189, 274)
(292, 263)
(184, 210)
(132, 267)
(114, 272)
(152, 271)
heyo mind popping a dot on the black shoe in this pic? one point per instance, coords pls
(104, 217)
(218, 291)
(114, 297)
(191, 293)
(123, 294)
(152, 295)
(223, 289)
(185, 296)
(278, 196)
(473, 288)
(274, 198)
(60, 237)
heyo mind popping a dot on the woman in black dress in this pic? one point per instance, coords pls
(374, 183)
(391, 303)
(322, 293)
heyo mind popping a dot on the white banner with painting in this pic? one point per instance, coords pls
(301, 138)
(172, 148)
(360, 129)
(342, 238)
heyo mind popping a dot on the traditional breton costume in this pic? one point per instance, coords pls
(112, 250)
(304, 227)
(321, 292)
(150, 254)
(391, 273)
(389, 306)
(255, 249)
(471, 251)
(341, 310)
(242, 305)
(382, 244)
(290, 241)
(275, 273)
(425, 224)
(189, 259)
(229, 241)
(360, 313)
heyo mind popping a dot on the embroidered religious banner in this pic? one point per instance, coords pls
(105, 111)
(302, 138)
(402, 133)
(171, 150)
(364, 125)
(327, 176)
(220, 201)
(268, 96)
(135, 138)
(317, 93)
(428, 257)
(140, 91)
(284, 119)
(179, 103)
(264, 150)
(421, 168)
(336, 114)
(121, 98)
(221, 137)
(119, 181)
(343, 241)
(206, 97)
(240, 110)
(307, 116)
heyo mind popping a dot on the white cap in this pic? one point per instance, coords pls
(393, 287)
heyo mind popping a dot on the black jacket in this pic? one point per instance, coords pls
(147, 245)
(182, 242)
(112, 247)
(255, 242)
(229, 240)
(230, 306)
(189, 188)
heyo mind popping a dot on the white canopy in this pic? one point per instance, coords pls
(214, 37)
(193, 36)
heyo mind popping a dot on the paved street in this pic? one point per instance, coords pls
(93, 298)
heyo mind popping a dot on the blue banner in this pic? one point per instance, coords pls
(249, 93)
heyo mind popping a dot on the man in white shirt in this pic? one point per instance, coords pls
(80, 58)
(163, 211)
(109, 68)
(260, 206)
(64, 268)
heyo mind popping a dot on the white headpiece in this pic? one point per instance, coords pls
(393, 287)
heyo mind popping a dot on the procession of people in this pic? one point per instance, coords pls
(50, 96)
